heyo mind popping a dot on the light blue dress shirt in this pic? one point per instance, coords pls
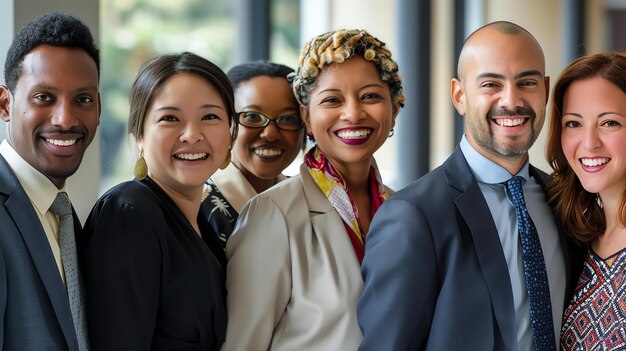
(490, 177)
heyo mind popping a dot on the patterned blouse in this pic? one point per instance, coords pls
(225, 194)
(219, 212)
(596, 316)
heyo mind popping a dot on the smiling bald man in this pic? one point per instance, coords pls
(444, 265)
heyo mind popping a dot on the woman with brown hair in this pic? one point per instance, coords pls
(587, 150)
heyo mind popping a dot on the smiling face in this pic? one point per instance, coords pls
(54, 112)
(350, 112)
(263, 153)
(593, 134)
(502, 93)
(185, 133)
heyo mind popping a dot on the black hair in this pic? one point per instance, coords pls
(155, 72)
(246, 71)
(262, 68)
(55, 29)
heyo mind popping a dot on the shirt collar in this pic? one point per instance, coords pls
(484, 169)
(40, 190)
(235, 187)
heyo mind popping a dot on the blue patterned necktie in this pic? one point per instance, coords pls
(67, 243)
(534, 270)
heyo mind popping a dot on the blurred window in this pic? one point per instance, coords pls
(133, 31)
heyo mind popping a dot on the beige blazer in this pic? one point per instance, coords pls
(235, 187)
(293, 277)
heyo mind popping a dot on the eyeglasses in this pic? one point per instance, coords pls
(259, 120)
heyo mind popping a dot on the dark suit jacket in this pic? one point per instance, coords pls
(435, 274)
(35, 313)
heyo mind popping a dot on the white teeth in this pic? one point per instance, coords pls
(268, 152)
(509, 122)
(594, 162)
(191, 157)
(354, 134)
(61, 142)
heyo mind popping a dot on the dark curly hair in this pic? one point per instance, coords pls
(55, 29)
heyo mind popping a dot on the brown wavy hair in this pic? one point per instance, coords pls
(337, 47)
(580, 211)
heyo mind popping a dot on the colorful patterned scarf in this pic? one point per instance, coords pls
(335, 189)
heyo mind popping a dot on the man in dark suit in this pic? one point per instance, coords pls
(51, 106)
(445, 263)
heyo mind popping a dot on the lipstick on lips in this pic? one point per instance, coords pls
(354, 136)
(593, 164)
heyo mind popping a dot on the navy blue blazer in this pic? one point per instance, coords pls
(34, 308)
(435, 274)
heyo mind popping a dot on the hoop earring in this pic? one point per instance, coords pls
(141, 168)
(226, 161)
(391, 133)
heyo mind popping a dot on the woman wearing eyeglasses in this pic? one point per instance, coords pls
(270, 135)
(294, 260)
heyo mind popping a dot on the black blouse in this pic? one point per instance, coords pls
(151, 282)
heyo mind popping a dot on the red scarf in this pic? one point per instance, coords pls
(334, 187)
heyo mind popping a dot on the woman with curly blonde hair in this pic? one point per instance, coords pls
(294, 259)
(587, 150)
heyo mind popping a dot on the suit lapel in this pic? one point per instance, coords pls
(317, 201)
(473, 208)
(23, 214)
(326, 221)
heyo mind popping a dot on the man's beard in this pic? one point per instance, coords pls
(485, 138)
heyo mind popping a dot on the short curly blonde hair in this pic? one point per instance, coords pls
(337, 47)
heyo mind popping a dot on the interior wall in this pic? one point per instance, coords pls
(443, 62)
(596, 18)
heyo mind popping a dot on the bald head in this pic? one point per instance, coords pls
(492, 38)
(501, 91)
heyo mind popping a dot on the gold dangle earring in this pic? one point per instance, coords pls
(226, 161)
(141, 168)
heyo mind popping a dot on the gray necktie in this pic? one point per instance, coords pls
(67, 242)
